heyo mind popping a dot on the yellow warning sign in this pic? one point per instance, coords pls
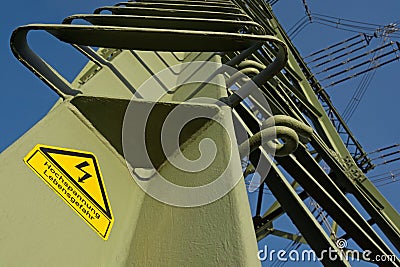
(75, 176)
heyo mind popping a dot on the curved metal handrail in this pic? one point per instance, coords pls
(22, 51)
(147, 11)
(187, 6)
(216, 2)
(125, 38)
(261, 78)
(192, 2)
(233, 26)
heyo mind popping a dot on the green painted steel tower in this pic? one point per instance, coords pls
(144, 159)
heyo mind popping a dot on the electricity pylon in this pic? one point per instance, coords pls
(121, 171)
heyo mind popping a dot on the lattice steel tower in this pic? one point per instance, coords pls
(226, 70)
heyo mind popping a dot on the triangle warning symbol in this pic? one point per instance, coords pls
(82, 169)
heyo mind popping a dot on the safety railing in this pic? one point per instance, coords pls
(160, 26)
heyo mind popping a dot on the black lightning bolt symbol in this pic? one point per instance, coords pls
(86, 175)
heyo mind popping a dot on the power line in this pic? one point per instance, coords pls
(383, 149)
(338, 50)
(389, 152)
(371, 60)
(344, 24)
(332, 46)
(385, 178)
(387, 155)
(298, 27)
(358, 95)
(388, 161)
(355, 58)
(308, 13)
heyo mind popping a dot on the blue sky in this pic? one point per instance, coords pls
(25, 99)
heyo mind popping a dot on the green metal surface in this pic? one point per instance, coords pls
(146, 231)
(301, 216)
